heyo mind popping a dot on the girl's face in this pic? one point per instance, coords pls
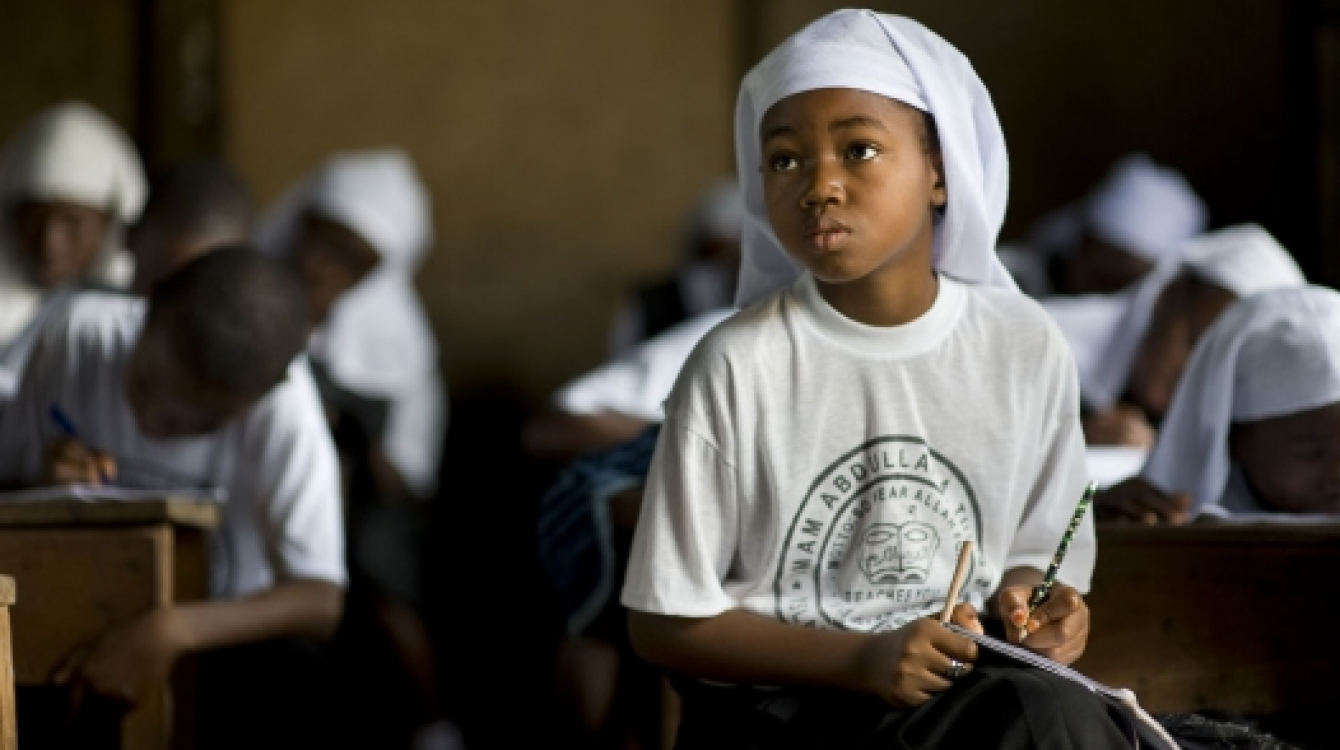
(59, 238)
(1293, 462)
(849, 184)
(330, 259)
(1185, 309)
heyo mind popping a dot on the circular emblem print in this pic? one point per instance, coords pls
(874, 543)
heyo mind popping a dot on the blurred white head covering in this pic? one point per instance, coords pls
(1243, 259)
(378, 340)
(69, 152)
(1140, 206)
(898, 58)
(1145, 208)
(718, 214)
(1270, 355)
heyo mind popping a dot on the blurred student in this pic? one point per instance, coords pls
(1217, 269)
(1134, 374)
(197, 207)
(356, 231)
(614, 403)
(70, 182)
(200, 387)
(1254, 425)
(1139, 214)
(826, 448)
(704, 281)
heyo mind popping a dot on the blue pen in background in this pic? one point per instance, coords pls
(63, 423)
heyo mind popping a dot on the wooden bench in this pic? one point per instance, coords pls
(1234, 618)
(90, 566)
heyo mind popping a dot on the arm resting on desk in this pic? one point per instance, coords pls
(125, 661)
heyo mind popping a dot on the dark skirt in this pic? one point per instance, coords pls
(995, 706)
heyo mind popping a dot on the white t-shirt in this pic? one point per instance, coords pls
(823, 472)
(636, 384)
(281, 518)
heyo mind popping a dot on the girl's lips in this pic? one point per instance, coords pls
(828, 240)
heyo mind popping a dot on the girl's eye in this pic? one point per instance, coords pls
(783, 163)
(862, 152)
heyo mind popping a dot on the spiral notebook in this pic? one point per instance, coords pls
(1142, 730)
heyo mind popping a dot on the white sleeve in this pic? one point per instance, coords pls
(415, 427)
(1058, 483)
(294, 474)
(687, 531)
(24, 419)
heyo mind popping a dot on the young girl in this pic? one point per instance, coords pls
(1217, 269)
(884, 396)
(70, 182)
(1255, 423)
(356, 231)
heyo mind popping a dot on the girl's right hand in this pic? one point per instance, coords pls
(907, 666)
(70, 462)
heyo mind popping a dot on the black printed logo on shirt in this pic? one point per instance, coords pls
(874, 543)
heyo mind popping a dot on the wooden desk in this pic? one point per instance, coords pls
(86, 567)
(1238, 618)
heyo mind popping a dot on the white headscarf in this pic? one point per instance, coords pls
(377, 340)
(69, 152)
(1140, 206)
(1145, 208)
(1243, 259)
(898, 58)
(1269, 355)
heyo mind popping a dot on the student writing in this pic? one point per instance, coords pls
(884, 394)
(197, 388)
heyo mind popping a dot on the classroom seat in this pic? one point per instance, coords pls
(1218, 617)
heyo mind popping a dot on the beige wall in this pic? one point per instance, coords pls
(562, 142)
(61, 49)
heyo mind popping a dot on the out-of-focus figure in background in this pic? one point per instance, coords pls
(355, 230)
(1139, 214)
(1099, 261)
(70, 182)
(196, 207)
(1254, 425)
(705, 279)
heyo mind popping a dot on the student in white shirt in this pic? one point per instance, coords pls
(199, 388)
(70, 182)
(1216, 270)
(884, 395)
(615, 402)
(356, 231)
(1254, 426)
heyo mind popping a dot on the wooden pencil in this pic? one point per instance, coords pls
(956, 585)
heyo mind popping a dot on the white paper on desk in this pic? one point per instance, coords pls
(1110, 464)
(1216, 516)
(110, 493)
(1154, 734)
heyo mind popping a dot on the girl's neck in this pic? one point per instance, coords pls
(883, 299)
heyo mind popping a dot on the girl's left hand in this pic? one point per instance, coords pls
(1058, 629)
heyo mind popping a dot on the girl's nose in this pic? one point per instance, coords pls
(825, 186)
